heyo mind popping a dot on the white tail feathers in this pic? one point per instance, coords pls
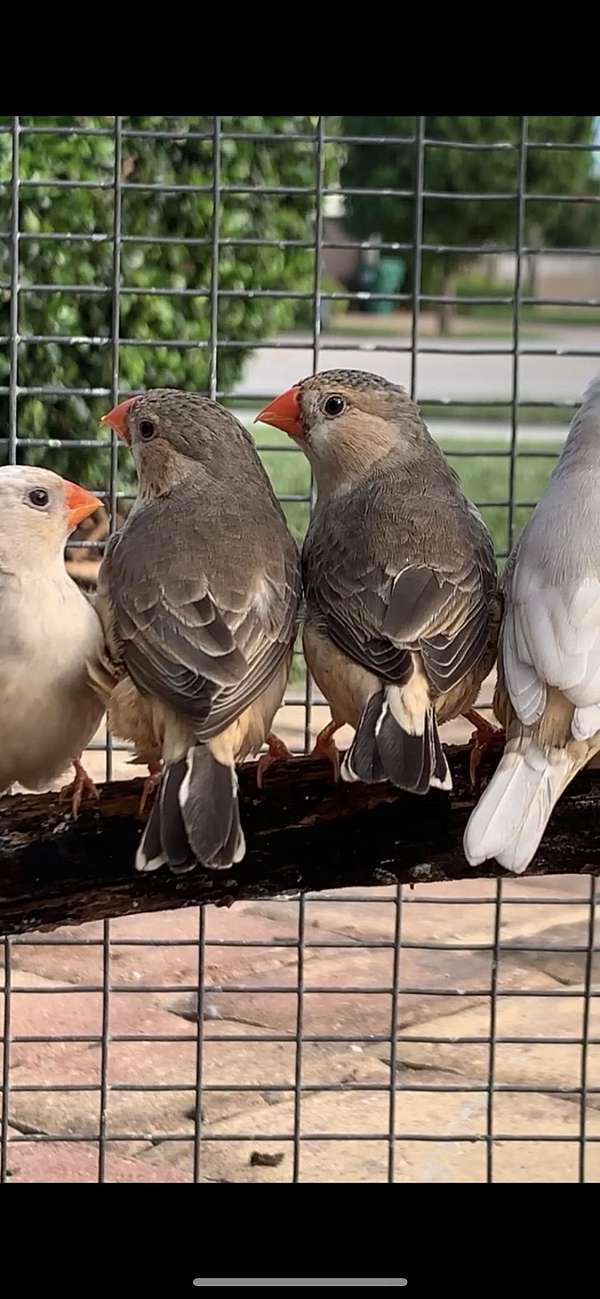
(513, 812)
(586, 722)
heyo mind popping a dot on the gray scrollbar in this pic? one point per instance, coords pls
(206, 1281)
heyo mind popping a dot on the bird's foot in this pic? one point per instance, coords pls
(326, 748)
(82, 784)
(278, 752)
(151, 784)
(484, 737)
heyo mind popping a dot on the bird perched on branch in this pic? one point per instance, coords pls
(198, 593)
(399, 573)
(548, 690)
(49, 710)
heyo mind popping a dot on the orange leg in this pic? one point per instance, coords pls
(82, 784)
(151, 784)
(325, 747)
(278, 752)
(485, 736)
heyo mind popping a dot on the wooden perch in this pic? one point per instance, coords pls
(304, 834)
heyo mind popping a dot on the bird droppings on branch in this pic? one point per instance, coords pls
(305, 835)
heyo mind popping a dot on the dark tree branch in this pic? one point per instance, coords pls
(304, 833)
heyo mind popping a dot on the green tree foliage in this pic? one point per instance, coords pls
(179, 264)
(476, 171)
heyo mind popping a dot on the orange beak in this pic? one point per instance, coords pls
(117, 419)
(284, 413)
(80, 503)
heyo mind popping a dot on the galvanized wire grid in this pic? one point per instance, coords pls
(195, 1004)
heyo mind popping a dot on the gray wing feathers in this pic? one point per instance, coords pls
(417, 596)
(208, 656)
(438, 607)
(356, 625)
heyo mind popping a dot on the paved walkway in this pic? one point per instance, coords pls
(459, 369)
(443, 1056)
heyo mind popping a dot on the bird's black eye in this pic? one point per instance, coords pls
(39, 498)
(334, 406)
(146, 429)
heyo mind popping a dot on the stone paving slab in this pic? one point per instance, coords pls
(464, 912)
(567, 967)
(43, 1008)
(246, 925)
(525, 1061)
(51, 1009)
(457, 1119)
(151, 1114)
(447, 982)
(63, 1162)
(171, 964)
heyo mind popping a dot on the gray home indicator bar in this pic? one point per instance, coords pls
(305, 1280)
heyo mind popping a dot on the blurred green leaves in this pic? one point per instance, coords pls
(149, 319)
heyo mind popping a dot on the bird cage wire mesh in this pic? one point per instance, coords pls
(382, 1035)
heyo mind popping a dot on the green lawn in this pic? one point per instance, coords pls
(495, 414)
(557, 316)
(499, 328)
(488, 321)
(486, 480)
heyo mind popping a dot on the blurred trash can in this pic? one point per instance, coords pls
(383, 276)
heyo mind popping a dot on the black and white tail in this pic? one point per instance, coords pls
(195, 817)
(398, 742)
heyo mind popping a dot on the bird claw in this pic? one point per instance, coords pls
(278, 752)
(484, 737)
(151, 784)
(82, 784)
(326, 748)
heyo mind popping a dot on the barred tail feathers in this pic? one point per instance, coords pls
(195, 817)
(397, 739)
